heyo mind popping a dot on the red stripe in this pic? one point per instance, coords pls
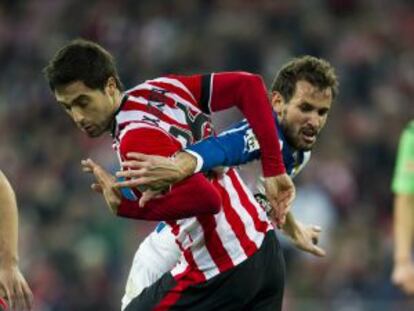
(121, 126)
(235, 222)
(214, 244)
(251, 208)
(3, 304)
(174, 294)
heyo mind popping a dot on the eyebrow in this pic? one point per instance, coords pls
(76, 99)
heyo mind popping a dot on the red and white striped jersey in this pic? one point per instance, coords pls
(178, 107)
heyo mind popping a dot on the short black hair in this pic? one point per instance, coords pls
(316, 71)
(81, 60)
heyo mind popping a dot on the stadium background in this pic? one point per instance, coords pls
(76, 255)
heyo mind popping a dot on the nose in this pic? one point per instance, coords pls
(77, 116)
(315, 120)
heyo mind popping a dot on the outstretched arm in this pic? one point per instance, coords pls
(247, 92)
(12, 283)
(177, 203)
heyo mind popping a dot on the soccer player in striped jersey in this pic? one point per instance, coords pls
(222, 232)
(13, 286)
(302, 94)
(403, 187)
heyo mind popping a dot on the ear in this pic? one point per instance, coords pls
(111, 86)
(277, 102)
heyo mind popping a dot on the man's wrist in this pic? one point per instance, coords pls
(186, 163)
(402, 261)
(8, 260)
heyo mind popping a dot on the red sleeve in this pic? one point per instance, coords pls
(180, 202)
(246, 91)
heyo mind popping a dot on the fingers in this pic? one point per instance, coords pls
(18, 297)
(9, 297)
(27, 294)
(89, 165)
(138, 156)
(147, 196)
(315, 232)
(97, 188)
(131, 173)
(318, 251)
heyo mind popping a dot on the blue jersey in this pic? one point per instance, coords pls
(238, 145)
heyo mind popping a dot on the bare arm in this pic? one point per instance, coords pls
(403, 227)
(8, 223)
(403, 273)
(12, 283)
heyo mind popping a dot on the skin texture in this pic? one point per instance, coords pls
(13, 286)
(90, 109)
(304, 116)
(403, 271)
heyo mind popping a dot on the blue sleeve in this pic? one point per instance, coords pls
(236, 146)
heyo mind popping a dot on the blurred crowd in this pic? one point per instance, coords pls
(76, 255)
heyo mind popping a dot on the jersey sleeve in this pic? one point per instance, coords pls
(247, 92)
(403, 181)
(235, 146)
(179, 202)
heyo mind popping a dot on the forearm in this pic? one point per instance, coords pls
(192, 197)
(291, 226)
(8, 223)
(186, 164)
(403, 227)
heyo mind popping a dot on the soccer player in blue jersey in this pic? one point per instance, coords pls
(301, 96)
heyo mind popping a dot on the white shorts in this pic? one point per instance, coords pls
(156, 255)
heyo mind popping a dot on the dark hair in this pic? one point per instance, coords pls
(81, 60)
(316, 71)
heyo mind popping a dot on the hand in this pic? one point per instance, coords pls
(403, 277)
(14, 288)
(105, 184)
(306, 238)
(280, 191)
(149, 195)
(154, 172)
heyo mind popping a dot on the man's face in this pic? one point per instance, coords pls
(304, 116)
(90, 109)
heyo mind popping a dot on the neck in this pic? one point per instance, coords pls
(116, 101)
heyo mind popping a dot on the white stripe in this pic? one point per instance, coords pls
(191, 238)
(229, 239)
(176, 83)
(260, 211)
(200, 253)
(247, 220)
(240, 128)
